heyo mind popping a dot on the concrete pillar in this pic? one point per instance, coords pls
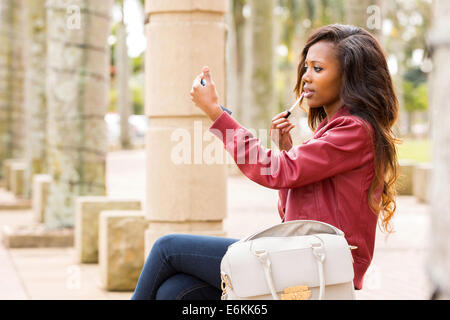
(77, 100)
(12, 125)
(41, 186)
(86, 225)
(35, 99)
(186, 197)
(438, 265)
(121, 248)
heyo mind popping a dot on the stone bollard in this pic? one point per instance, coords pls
(421, 182)
(121, 248)
(41, 187)
(404, 184)
(6, 171)
(88, 210)
(17, 179)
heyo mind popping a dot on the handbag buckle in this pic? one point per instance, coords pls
(225, 282)
(296, 293)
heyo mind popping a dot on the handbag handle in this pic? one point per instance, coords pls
(319, 255)
(263, 257)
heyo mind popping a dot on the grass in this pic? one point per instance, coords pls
(415, 149)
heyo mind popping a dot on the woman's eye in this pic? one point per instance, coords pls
(317, 69)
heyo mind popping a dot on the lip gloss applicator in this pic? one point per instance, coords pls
(299, 101)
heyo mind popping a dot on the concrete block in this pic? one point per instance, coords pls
(41, 187)
(17, 179)
(121, 248)
(86, 223)
(404, 183)
(36, 236)
(6, 170)
(421, 182)
(10, 202)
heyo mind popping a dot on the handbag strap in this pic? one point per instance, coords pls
(263, 257)
(319, 255)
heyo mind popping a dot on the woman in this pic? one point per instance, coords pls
(343, 176)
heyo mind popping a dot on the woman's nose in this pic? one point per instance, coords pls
(307, 76)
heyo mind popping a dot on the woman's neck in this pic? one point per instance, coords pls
(332, 108)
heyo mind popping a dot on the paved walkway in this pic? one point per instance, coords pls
(397, 270)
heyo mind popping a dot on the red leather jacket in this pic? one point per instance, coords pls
(326, 178)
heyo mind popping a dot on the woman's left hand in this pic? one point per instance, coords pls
(206, 98)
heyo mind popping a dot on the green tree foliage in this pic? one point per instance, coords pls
(137, 94)
(416, 97)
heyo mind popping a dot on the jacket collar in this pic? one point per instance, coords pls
(343, 111)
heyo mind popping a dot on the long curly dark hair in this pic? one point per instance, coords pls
(367, 90)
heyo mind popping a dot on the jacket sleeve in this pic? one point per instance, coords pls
(343, 147)
(282, 198)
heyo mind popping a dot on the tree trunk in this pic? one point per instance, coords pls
(123, 89)
(11, 80)
(236, 58)
(263, 106)
(77, 96)
(439, 259)
(5, 83)
(366, 14)
(35, 100)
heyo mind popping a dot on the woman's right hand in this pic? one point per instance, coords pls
(279, 131)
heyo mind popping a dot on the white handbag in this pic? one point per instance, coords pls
(295, 260)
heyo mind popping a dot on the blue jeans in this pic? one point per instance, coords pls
(183, 267)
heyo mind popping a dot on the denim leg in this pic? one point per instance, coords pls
(198, 256)
(182, 286)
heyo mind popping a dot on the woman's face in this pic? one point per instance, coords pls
(322, 77)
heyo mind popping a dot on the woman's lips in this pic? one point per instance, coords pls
(308, 94)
